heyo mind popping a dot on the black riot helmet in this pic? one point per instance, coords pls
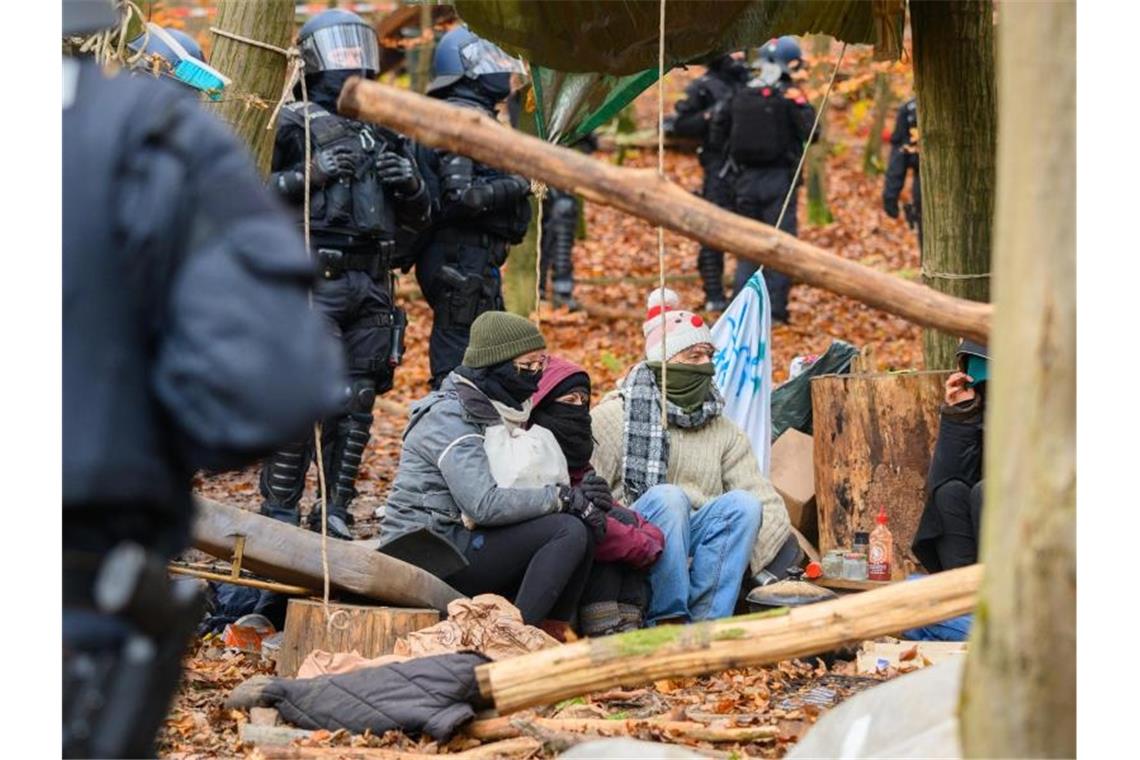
(339, 40)
(88, 16)
(461, 55)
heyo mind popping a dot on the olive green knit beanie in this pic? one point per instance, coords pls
(499, 336)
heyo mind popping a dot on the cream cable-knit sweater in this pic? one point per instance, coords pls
(705, 463)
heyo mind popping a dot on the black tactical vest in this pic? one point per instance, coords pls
(761, 132)
(354, 205)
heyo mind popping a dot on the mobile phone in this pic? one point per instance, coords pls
(977, 368)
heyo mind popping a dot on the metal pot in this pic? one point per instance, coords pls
(790, 592)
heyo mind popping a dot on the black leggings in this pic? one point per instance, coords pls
(960, 510)
(542, 563)
(615, 582)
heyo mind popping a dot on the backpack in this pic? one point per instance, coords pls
(761, 127)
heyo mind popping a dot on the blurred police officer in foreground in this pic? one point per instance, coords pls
(764, 126)
(187, 344)
(904, 158)
(479, 211)
(364, 188)
(716, 86)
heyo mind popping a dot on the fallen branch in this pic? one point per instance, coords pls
(638, 657)
(521, 747)
(644, 194)
(505, 728)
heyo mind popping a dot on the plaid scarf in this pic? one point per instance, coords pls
(646, 445)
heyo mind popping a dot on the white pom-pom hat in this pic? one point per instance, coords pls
(682, 328)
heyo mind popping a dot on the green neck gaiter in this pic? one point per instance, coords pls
(687, 385)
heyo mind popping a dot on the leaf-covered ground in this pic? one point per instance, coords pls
(615, 264)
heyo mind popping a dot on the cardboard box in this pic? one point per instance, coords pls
(793, 474)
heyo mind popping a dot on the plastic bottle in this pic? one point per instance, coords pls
(882, 547)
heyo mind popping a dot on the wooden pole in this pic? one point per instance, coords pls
(1020, 689)
(280, 588)
(642, 193)
(637, 657)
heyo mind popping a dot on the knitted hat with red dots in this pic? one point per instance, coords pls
(682, 328)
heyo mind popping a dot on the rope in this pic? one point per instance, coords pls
(952, 275)
(660, 229)
(296, 67)
(814, 126)
(539, 190)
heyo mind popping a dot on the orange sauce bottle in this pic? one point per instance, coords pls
(882, 549)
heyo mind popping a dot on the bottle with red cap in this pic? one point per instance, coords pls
(882, 547)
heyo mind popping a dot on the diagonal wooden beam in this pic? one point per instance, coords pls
(642, 193)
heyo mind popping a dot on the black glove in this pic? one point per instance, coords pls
(575, 502)
(398, 173)
(891, 207)
(330, 163)
(477, 197)
(624, 516)
(597, 491)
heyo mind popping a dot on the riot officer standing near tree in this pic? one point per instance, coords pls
(904, 158)
(560, 211)
(724, 77)
(188, 343)
(364, 186)
(765, 126)
(479, 211)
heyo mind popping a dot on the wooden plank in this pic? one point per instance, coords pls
(638, 657)
(292, 555)
(874, 438)
(369, 631)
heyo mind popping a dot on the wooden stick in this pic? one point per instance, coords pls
(281, 588)
(505, 728)
(637, 657)
(519, 747)
(642, 193)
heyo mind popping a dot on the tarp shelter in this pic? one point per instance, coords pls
(590, 58)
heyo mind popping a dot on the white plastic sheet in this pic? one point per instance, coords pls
(743, 364)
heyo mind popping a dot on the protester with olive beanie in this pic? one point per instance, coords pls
(697, 479)
(447, 514)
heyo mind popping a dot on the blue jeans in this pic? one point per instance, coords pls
(718, 538)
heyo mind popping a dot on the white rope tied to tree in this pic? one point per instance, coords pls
(292, 75)
(539, 190)
(660, 229)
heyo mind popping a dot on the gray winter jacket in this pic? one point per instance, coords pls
(444, 475)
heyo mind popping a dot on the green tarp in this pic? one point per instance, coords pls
(590, 58)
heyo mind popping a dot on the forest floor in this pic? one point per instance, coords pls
(622, 251)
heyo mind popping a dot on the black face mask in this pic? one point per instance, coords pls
(324, 86)
(503, 383)
(570, 425)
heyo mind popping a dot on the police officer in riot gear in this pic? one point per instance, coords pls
(560, 211)
(364, 187)
(153, 44)
(187, 344)
(479, 211)
(724, 77)
(904, 158)
(765, 126)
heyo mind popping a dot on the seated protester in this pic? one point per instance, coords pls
(616, 593)
(947, 535)
(446, 513)
(697, 480)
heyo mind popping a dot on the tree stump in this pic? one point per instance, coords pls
(370, 631)
(874, 436)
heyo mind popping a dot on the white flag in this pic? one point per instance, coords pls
(743, 365)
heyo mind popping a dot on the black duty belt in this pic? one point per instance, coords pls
(333, 262)
(468, 237)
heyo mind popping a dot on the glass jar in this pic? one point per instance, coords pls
(862, 543)
(855, 566)
(833, 563)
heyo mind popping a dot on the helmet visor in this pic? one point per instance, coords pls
(345, 46)
(482, 57)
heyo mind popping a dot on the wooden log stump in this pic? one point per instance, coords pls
(874, 436)
(370, 631)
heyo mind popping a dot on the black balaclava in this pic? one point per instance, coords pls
(569, 423)
(473, 92)
(324, 86)
(503, 383)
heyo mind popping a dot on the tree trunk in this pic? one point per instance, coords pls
(873, 153)
(815, 165)
(257, 73)
(957, 120)
(519, 278)
(420, 57)
(1020, 685)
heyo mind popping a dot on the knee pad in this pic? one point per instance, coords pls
(361, 396)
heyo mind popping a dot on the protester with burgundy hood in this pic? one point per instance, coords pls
(616, 594)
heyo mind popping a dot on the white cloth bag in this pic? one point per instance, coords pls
(525, 458)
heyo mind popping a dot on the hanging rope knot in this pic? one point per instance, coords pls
(538, 188)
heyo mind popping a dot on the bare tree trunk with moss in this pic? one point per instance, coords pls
(258, 74)
(519, 277)
(957, 122)
(815, 164)
(873, 153)
(1019, 695)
